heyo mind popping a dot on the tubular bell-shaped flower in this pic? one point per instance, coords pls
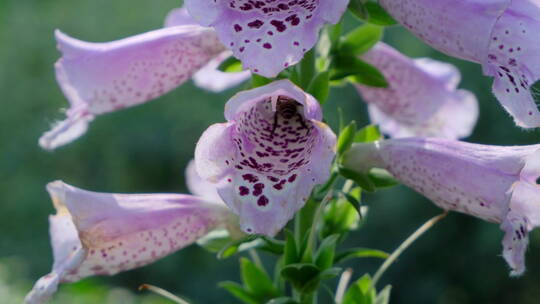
(499, 34)
(266, 159)
(99, 78)
(103, 234)
(422, 98)
(496, 184)
(280, 31)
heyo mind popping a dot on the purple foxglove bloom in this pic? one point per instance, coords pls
(268, 35)
(422, 98)
(103, 234)
(269, 154)
(99, 78)
(496, 184)
(501, 35)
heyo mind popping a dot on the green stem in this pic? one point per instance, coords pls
(413, 237)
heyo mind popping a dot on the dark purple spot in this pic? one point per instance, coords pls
(262, 201)
(243, 191)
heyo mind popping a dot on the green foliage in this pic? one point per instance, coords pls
(231, 65)
(360, 40)
(360, 292)
(357, 71)
(370, 11)
(346, 138)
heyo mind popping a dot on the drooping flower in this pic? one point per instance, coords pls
(501, 35)
(99, 78)
(269, 155)
(494, 183)
(103, 233)
(422, 98)
(268, 35)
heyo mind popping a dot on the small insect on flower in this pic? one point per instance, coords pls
(268, 156)
(287, 108)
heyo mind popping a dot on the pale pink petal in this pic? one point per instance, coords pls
(103, 233)
(513, 58)
(179, 16)
(214, 80)
(515, 241)
(279, 31)
(458, 28)
(494, 183)
(421, 99)
(199, 186)
(266, 160)
(98, 78)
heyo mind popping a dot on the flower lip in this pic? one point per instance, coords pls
(103, 233)
(284, 88)
(280, 31)
(422, 98)
(267, 158)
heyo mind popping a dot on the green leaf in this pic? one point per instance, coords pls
(239, 292)
(354, 202)
(360, 253)
(306, 69)
(340, 216)
(313, 284)
(324, 258)
(361, 40)
(272, 245)
(215, 241)
(358, 9)
(369, 133)
(384, 296)
(259, 81)
(300, 274)
(231, 65)
(382, 178)
(360, 292)
(346, 138)
(256, 281)
(234, 246)
(320, 87)
(357, 71)
(291, 252)
(378, 15)
(372, 12)
(361, 179)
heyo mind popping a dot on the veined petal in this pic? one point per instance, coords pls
(103, 234)
(98, 78)
(441, 23)
(280, 31)
(199, 186)
(421, 99)
(266, 160)
(513, 59)
(515, 241)
(179, 16)
(497, 184)
(212, 79)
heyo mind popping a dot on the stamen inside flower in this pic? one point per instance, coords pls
(273, 142)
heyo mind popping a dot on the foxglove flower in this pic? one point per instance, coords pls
(422, 98)
(103, 234)
(496, 184)
(501, 35)
(99, 78)
(267, 35)
(269, 154)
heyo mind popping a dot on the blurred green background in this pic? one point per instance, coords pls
(145, 149)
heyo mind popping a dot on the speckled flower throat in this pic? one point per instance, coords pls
(273, 142)
(271, 17)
